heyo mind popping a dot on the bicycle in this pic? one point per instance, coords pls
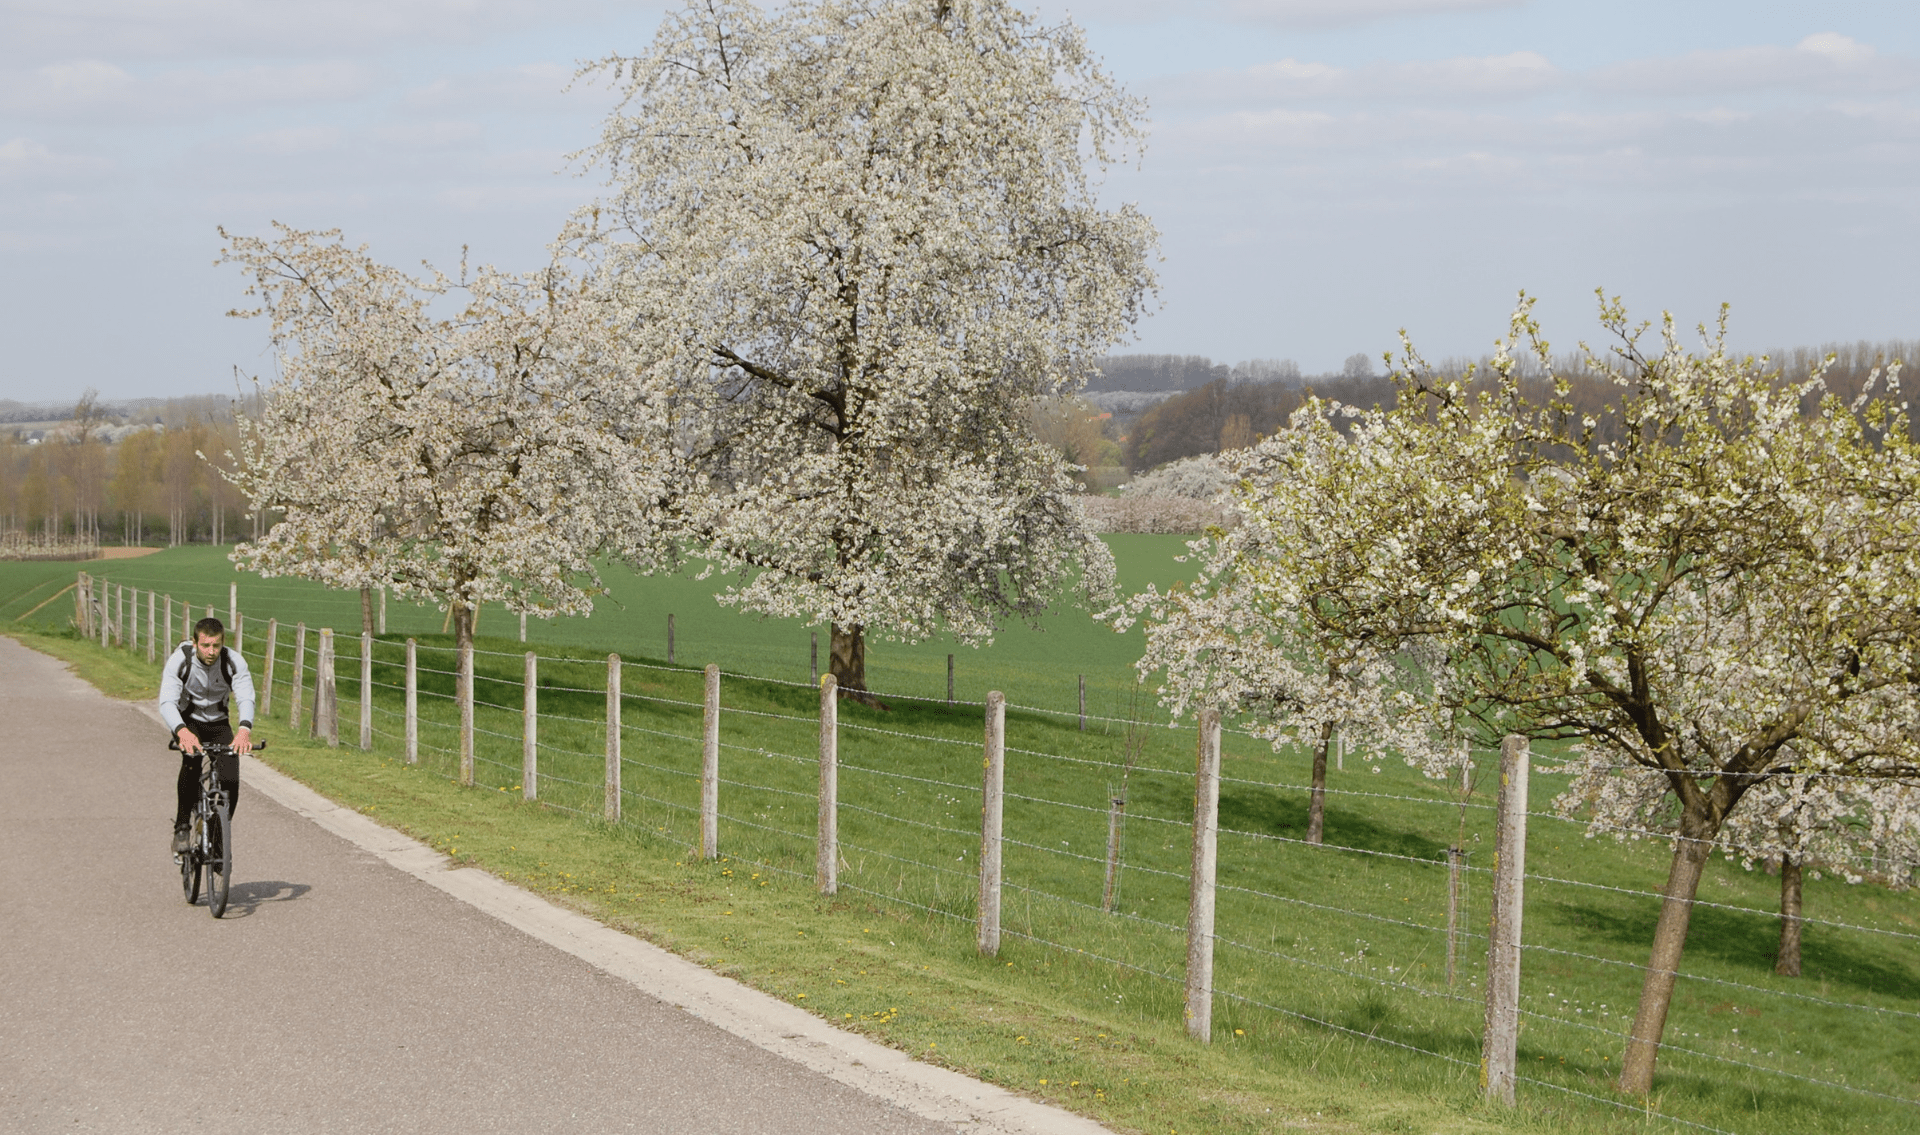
(209, 832)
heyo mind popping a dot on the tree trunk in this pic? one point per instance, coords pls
(366, 610)
(1663, 967)
(1317, 805)
(847, 658)
(1788, 963)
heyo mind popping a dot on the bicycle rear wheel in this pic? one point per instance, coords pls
(219, 861)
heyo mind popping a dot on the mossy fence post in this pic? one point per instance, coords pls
(613, 739)
(530, 728)
(412, 727)
(992, 817)
(1200, 905)
(826, 860)
(1503, 938)
(709, 764)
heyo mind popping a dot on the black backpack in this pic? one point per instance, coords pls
(186, 667)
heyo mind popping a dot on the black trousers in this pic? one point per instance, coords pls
(187, 789)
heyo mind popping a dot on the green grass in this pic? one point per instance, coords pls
(1320, 981)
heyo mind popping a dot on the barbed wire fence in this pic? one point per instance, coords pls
(1183, 897)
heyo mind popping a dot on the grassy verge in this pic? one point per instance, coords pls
(1329, 972)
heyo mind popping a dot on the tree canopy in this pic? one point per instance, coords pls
(854, 244)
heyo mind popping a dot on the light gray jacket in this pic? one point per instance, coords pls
(206, 687)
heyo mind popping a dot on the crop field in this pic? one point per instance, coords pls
(1331, 961)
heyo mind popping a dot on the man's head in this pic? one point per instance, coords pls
(208, 635)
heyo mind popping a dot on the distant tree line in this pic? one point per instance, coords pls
(105, 474)
(1237, 406)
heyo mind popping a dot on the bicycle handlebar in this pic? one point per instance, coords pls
(213, 746)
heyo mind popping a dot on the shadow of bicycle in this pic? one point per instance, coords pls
(245, 898)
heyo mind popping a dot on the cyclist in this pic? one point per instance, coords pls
(194, 688)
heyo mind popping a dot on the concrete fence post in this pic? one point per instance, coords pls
(1206, 841)
(813, 652)
(530, 729)
(1503, 938)
(298, 688)
(709, 764)
(380, 620)
(366, 691)
(233, 604)
(992, 816)
(613, 739)
(266, 668)
(413, 703)
(523, 626)
(826, 859)
(463, 685)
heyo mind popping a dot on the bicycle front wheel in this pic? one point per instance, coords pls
(190, 872)
(219, 861)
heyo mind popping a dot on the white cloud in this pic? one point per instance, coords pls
(1302, 14)
(529, 87)
(1514, 75)
(98, 92)
(293, 140)
(31, 160)
(1827, 61)
(439, 134)
(202, 29)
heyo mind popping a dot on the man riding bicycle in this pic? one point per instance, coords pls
(194, 688)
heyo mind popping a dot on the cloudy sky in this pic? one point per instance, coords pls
(1323, 172)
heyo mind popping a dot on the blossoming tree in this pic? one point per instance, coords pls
(482, 456)
(857, 242)
(1725, 595)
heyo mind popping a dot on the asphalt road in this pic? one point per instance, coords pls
(338, 994)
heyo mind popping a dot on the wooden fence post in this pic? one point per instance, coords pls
(992, 788)
(949, 679)
(273, 649)
(613, 739)
(166, 625)
(79, 605)
(1083, 703)
(239, 632)
(463, 688)
(153, 632)
(233, 604)
(826, 859)
(298, 689)
(380, 620)
(413, 703)
(120, 601)
(669, 640)
(709, 764)
(106, 614)
(1455, 857)
(366, 691)
(1206, 841)
(813, 638)
(530, 728)
(186, 620)
(326, 691)
(1503, 938)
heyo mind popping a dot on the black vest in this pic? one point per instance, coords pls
(186, 667)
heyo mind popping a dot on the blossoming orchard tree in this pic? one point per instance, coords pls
(482, 456)
(857, 242)
(1724, 596)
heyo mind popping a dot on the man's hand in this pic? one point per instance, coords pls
(243, 740)
(189, 744)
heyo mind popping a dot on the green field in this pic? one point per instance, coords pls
(1332, 1008)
